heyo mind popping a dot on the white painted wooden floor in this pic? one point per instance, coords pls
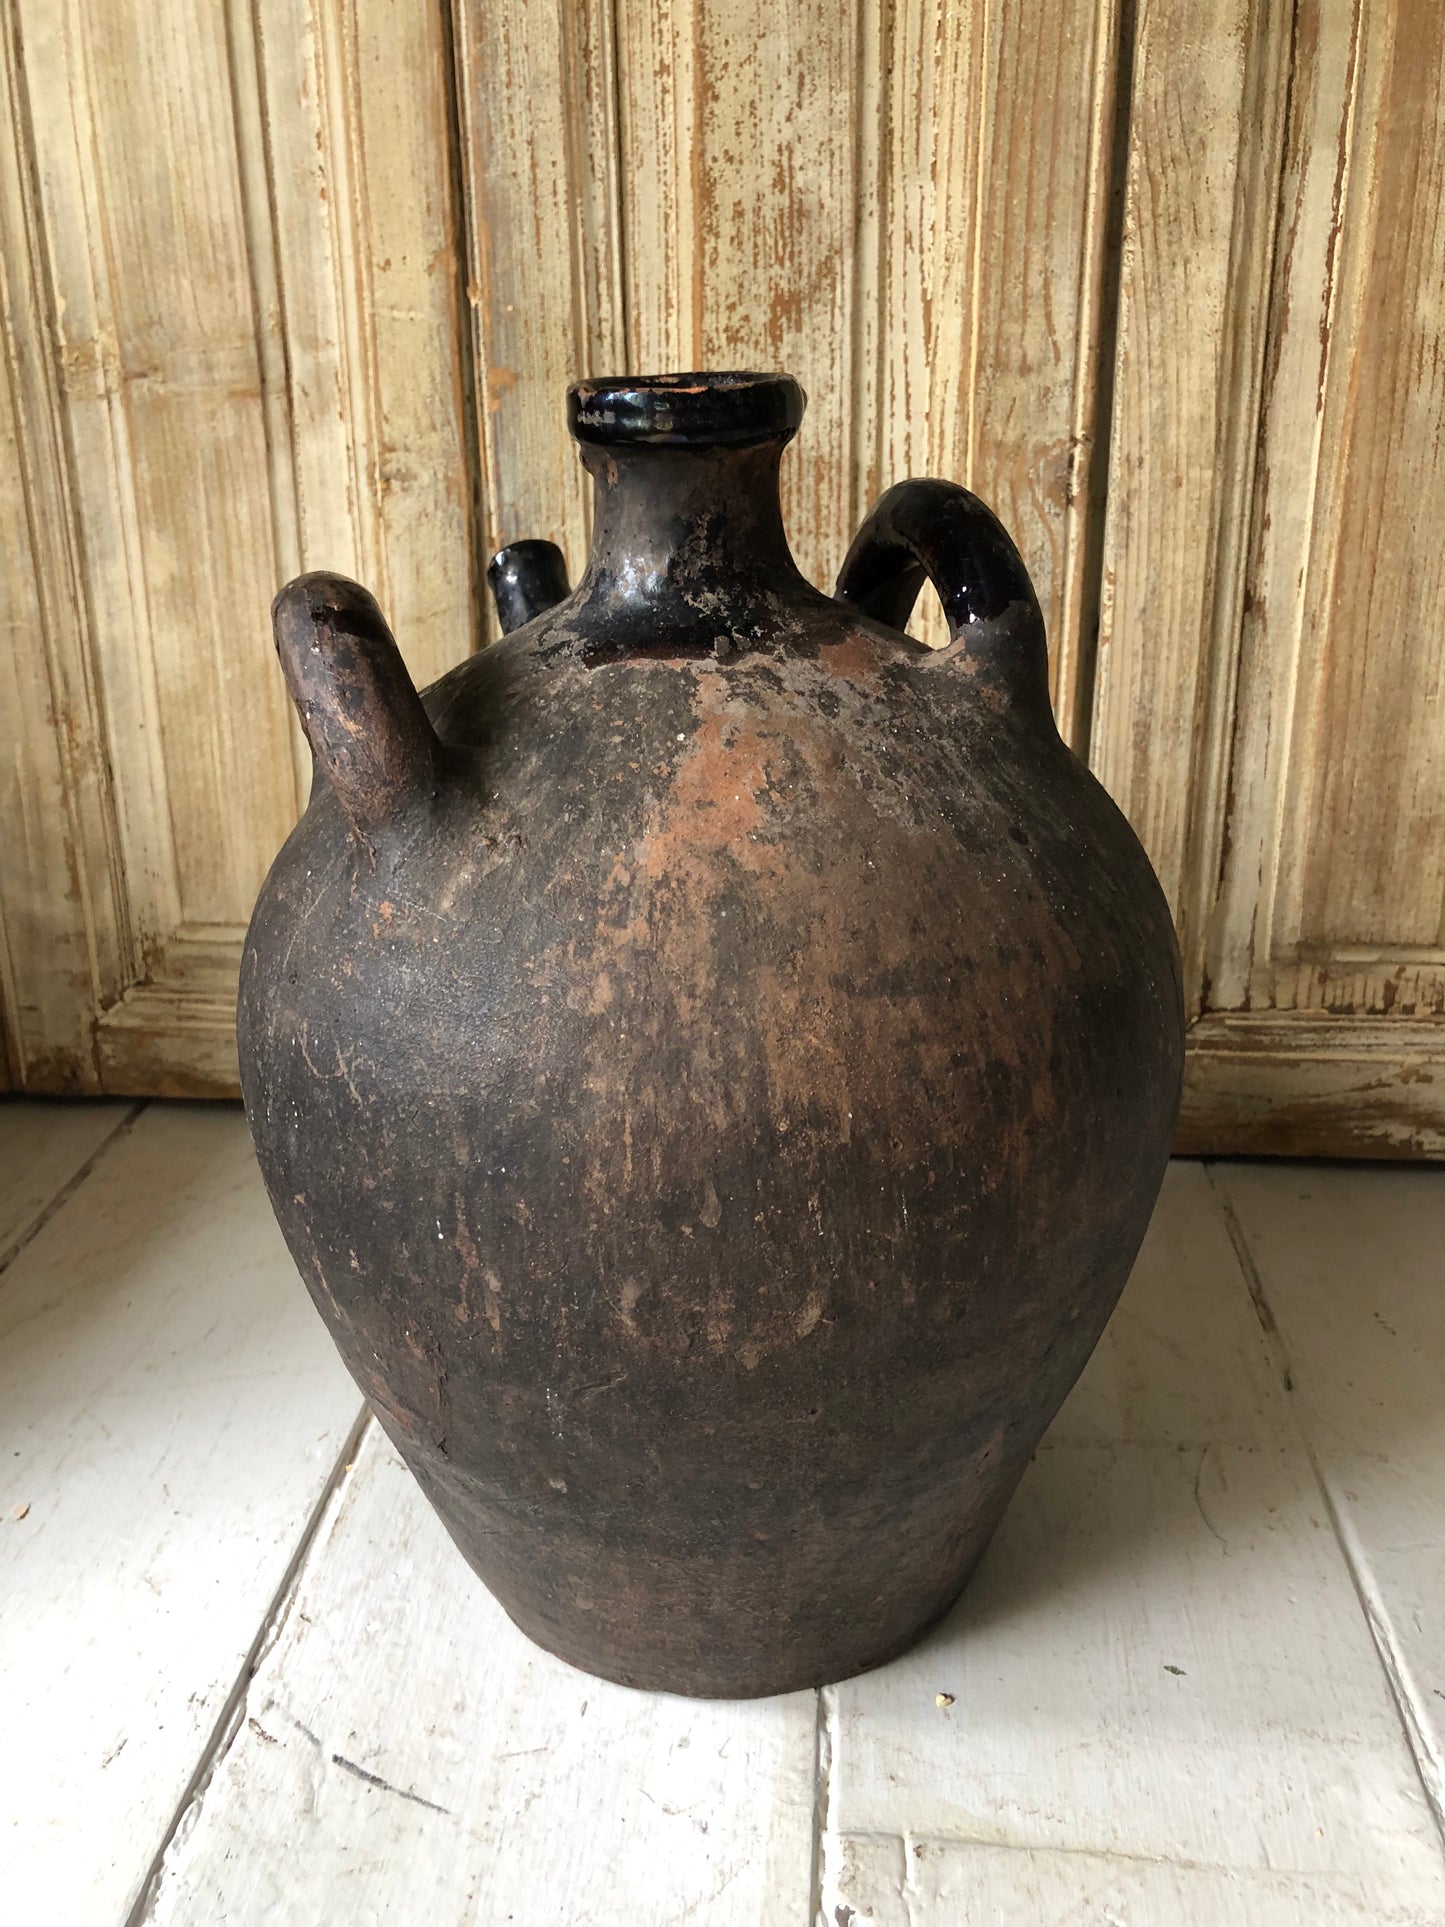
(244, 1677)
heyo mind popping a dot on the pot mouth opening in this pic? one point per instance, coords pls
(691, 410)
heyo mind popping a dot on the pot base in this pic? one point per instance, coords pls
(757, 1680)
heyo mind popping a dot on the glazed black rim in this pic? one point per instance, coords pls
(704, 409)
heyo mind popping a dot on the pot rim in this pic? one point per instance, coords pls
(700, 409)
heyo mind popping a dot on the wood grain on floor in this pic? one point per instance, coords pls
(1198, 1680)
(171, 1412)
(43, 1148)
(1351, 1265)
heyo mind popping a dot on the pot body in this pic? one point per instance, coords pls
(715, 1116)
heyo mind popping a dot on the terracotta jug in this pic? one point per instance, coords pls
(712, 1058)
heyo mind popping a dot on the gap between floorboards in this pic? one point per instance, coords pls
(228, 1721)
(28, 1233)
(1414, 1719)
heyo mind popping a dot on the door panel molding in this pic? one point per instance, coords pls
(1334, 893)
(1265, 308)
(1295, 1084)
(1206, 132)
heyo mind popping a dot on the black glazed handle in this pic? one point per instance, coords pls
(358, 705)
(939, 532)
(526, 578)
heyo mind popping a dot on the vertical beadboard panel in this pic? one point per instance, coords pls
(235, 348)
(1371, 721)
(1269, 681)
(62, 936)
(42, 935)
(873, 202)
(151, 391)
(1315, 176)
(1333, 896)
(740, 199)
(357, 98)
(1040, 271)
(161, 381)
(1210, 81)
(981, 363)
(539, 141)
(918, 413)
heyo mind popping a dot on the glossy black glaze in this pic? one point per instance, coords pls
(526, 578)
(716, 411)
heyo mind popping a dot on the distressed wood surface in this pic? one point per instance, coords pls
(62, 916)
(156, 329)
(924, 252)
(1349, 1264)
(741, 207)
(1342, 718)
(537, 107)
(1299, 1084)
(404, 1745)
(334, 330)
(42, 1147)
(1271, 631)
(239, 359)
(171, 1413)
(924, 1882)
(1208, 89)
(980, 304)
(1136, 1670)
(1330, 889)
(354, 108)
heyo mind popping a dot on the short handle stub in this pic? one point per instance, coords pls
(359, 707)
(934, 531)
(526, 579)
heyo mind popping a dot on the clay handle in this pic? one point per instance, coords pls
(937, 531)
(359, 707)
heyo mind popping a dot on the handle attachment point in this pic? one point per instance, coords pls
(926, 530)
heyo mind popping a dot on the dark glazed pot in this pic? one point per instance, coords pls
(712, 1059)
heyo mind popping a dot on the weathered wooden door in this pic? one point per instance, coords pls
(1269, 690)
(301, 283)
(233, 307)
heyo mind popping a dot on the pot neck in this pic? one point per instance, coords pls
(688, 545)
(688, 533)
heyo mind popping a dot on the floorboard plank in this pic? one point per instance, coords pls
(43, 1144)
(948, 1883)
(1351, 1264)
(170, 1414)
(407, 1756)
(1162, 1657)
